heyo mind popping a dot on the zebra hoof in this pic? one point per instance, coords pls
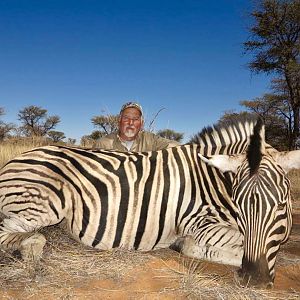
(32, 248)
(178, 244)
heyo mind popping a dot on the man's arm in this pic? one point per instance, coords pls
(162, 143)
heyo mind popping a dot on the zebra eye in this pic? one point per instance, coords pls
(281, 205)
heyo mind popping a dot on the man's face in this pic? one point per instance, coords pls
(130, 124)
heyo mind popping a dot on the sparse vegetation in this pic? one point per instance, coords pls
(15, 146)
(70, 270)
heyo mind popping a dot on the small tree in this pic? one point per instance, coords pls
(171, 135)
(56, 136)
(277, 116)
(90, 140)
(71, 141)
(107, 123)
(230, 116)
(86, 141)
(36, 122)
(96, 134)
(5, 128)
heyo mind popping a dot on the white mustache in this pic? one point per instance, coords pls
(130, 128)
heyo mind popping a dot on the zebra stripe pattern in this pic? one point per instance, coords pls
(139, 201)
(261, 192)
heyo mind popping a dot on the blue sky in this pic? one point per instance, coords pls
(79, 59)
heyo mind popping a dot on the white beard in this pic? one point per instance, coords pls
(130, 132)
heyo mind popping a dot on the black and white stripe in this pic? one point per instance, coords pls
(129, 200)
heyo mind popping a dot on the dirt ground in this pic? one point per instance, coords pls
(162, 274)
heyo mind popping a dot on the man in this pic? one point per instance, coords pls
(130, 136)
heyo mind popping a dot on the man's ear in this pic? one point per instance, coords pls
(225, 163)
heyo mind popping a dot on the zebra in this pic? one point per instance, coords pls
(262, 199)
(195, 198)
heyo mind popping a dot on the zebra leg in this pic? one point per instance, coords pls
(30, 244)
(227, 250)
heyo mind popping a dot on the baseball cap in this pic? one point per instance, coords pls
(132, 104)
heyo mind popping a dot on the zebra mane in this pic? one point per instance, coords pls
(226, 137)
(255, 148)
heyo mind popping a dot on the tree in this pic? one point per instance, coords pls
(285, 110)
(71, 141)
(277, 116)
(107, 123)
(91, 139)
(56, 136)
(231, 116)
(5, 128)
(36, 122)
(275, 44)
(96, 134)
(171, 135)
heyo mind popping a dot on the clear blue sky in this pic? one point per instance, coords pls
(79, 59)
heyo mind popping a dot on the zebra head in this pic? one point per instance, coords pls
(261, 193)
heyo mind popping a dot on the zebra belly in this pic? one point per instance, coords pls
(128, 241)
(126, 229)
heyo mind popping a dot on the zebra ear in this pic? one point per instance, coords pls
(288, 160)
(225, 163)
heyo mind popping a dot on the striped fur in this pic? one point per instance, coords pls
(261, 192)
(137, 201)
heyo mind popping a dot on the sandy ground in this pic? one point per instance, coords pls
(162, 274)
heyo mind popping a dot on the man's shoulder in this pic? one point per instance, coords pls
(147, 134)
(157, 141)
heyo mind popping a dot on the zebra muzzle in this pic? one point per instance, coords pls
(255, 274)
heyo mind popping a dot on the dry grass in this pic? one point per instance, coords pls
(197, 284)
(13, 147)
(67, 265)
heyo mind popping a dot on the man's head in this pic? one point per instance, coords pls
(130, 121)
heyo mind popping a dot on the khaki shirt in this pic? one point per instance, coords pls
(145, 141)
